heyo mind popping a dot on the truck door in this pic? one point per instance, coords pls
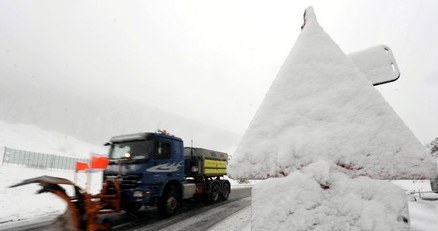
(164, 165)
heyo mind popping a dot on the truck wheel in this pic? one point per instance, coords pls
(131, 207)
(225, 192)
(214, 193)
(168, 204)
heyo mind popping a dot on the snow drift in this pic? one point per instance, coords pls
(321, 106)
(317, 198)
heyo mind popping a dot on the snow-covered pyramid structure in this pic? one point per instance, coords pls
(322, 107)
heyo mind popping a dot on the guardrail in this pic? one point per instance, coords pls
(38, 160)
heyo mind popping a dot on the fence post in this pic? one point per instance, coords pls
(2, 157)
(27, 158)
(47, 161)
(37, 160)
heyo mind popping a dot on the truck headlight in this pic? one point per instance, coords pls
(127, 155)
(138, 194)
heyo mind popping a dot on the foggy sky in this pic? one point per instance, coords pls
(213, 61)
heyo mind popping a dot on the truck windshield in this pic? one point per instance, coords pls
(136, 150)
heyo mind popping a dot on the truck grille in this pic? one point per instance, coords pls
(129, 181)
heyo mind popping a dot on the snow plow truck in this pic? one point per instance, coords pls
(152, 169)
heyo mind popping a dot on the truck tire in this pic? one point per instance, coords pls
(215, 191)
(168, 203)
(225, 192)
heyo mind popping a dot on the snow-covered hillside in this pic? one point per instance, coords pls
(35, 139)
(22, 203)
(93, 115)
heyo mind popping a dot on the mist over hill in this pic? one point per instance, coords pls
(94, 115)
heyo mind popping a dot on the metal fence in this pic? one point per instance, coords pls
(434, 184)
(39, 160)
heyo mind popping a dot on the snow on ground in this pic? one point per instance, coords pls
(423, 213)
(316, 198)
(18, 204)
(22, 204)
(239, 221)
(35, 139)
(237, 184)
(423, 204)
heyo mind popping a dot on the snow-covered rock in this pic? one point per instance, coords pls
(321, 106)
(318, 197)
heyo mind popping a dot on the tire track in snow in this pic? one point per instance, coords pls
(210, 218)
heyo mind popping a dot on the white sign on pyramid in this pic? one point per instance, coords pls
(322, 107)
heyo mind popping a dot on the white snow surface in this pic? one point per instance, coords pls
(377, 63)
(34, 139)
(21, 203)
(320, 106)
(317, 198)
(423, 213)
(239, 221)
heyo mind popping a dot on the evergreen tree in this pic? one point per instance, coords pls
(433, 146)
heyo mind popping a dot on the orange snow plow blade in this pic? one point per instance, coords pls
(82, 208)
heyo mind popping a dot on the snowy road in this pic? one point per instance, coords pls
(192, 216)
(195, 216)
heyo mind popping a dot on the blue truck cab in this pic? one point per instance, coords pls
(156, 169)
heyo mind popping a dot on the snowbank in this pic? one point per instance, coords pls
(318, 198)
(23, 204)
(320, 106)
(423, 215)
(35, 139)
